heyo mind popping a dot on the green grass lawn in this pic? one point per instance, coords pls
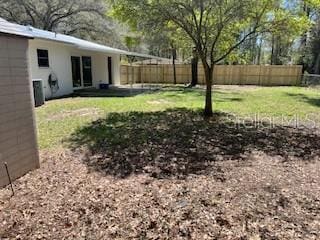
(58, 119)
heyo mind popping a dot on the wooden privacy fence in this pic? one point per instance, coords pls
(223, 74)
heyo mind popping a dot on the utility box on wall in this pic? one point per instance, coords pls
(38, 93)
(18, 142)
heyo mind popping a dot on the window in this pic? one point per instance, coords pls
(43, 58)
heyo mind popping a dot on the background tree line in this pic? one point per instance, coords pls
(81, 18)
(299, 43)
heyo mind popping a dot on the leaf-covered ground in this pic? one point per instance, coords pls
(262, 198)
(168, 174)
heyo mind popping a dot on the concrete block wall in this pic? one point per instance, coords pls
(18, 141)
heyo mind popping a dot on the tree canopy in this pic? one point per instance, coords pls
(216, 28)
(81, 18)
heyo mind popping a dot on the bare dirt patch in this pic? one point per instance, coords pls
(83, 112)
(159, 102)
(237, 87)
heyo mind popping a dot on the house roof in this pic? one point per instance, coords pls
(155, 61)
(77, 42)
(147, 56)
(28, 31)
(14, 29)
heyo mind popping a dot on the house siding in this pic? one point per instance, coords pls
(18, 144)
(60, 64)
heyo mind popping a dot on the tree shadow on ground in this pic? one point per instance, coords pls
(304, 98)
(179, 142)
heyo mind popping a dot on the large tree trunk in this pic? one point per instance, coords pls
(304, 40)
(174, 57)
(276, 51)
(208, 112)
(317, 65)
(174, 71)
(194, 71)
(194, 68)
(272, 51)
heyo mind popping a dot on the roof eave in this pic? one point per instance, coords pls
(144, 56)
(16, 34)
(111, 51)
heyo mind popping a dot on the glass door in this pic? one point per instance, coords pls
(76, 72)
(110, 70)
(87, 71)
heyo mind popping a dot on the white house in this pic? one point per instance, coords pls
(65, 63)
(73, 62)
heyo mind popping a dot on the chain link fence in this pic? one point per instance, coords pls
(311, 80)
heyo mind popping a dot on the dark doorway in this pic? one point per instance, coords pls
(76, 72)
(87, 71)
(110, 70)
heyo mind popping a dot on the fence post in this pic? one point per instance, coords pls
(127, 74)
(142, 75)
(158, 71)
(299, 73)
(163, 73)
(259, 75)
